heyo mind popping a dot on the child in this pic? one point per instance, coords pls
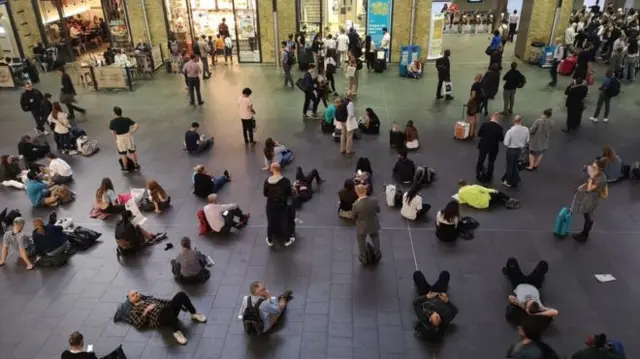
(396, 137)
(615, 63)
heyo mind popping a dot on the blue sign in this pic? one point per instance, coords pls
(378, 16)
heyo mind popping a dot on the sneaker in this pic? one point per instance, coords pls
(605, 120)
(449, 98)
(124, 170)
(160, 236)
(579, 237)
(290, 241)
(180, 337)
(199, 317)
(594, 119)
(136, 167)
(73, 152)
(226, 174)
(506, 184)
(269, 242)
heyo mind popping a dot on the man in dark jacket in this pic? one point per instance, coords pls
(355, 45)
(491, 136)
(434, 310)
(308, 86)
(576, 93)
(444, 74)
(32, 101)
(513, 80)
(404, 170)
(280, 211)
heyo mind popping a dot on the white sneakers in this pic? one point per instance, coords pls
(41, 133)
(595, 119)
(286, 244)
(269, 242)
(199, 317)
(605, 120)
(180, 337)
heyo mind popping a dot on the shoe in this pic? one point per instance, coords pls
(504, 113)
(605, 120)
(448, 98)
(269, 242)
(73, 152)
(253, 143)
(314, 115)
(199, 317)
(290, 241)
(594, 119)
(579, 237)
(200, 103)
(506, 184)
(192, 103)
(136, 167)
(439, 97)
(226, 174)
(124, 170)
(180, 337)
(349, 154)
(321, 181)
(160, 236)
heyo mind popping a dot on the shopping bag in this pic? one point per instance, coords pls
(351, 71)
(448, 88)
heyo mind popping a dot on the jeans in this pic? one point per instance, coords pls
(194, 85)
(574, 117)
(218, 182)
(308, 179)
(168, 316)
(512, 31)
(205, 66)
(287, 75)
(423, 287)
(513, 271)
(588, 223)
(41, 119)
(72, 107)
(247, 130)
(346, 138)
(482, 155)
(310, 96)
(362, 242)
(509, 97)
(228, 53)
(512, 175)
(554, 71)
(602, 99)
(63, 141)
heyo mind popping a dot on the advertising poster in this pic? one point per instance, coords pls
(379, 16)
(435, 37)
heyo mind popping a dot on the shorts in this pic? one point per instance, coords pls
(125, 144)
(537, 153)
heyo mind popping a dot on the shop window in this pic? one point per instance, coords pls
(178, 18)
(248, 46)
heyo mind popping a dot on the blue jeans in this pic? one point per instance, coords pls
(285, 158)
(218, 182)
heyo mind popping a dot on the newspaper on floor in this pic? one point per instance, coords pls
(604, 278)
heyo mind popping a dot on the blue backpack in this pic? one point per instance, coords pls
(616, 347)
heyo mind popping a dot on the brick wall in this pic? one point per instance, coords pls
(157, 25)
(541, 23)
(136, 21)
(265, 13)
(286, 18)
(27, 25)
(400, 27)
(422, 26)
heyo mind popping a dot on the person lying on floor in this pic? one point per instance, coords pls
(194, 142)
(412, 206)
(434, 309)
(404, 169)
(303, 186)
(222, 217)
(49, 239)
(270, 308)
(19, 241)
(371, 124)
(205, 184)
(190, 266)
(598, 347)
(131, 237)
(480, 197)
(147, 312)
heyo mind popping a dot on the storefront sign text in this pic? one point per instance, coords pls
(110, 77)
(379, 16)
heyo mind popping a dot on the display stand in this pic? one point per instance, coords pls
(6, 77)
(407, 55)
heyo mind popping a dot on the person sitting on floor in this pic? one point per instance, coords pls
(106, 198)
(59, 170)
(411, 136)
(195, 142)
(190, 266)
(414, 70)
(10, 172)
(31, 149)
(434, 309)
(327, 126)
(412, 206)
(303, 186)
(76, 348)
(270, 308)
(613, 165)
(222, 217)
(598, 347)
(275, 152)
(480, 197)
(19, 241)
(347, 196)
(396, 137)
(158, 196)
(363, 174)
(371, 124)
(404, 169)
(49, 239)
(447, 222)
(526, 293)
(150, 312)
(131, 237)
(205, 184)
(40, 193)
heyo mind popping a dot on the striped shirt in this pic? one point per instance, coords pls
(192, 69)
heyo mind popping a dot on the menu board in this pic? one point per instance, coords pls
(110, 77)
(6, 80)
(156, 56)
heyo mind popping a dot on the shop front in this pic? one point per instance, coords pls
(8, 44)
(81, 30)
(330, 16)
(188, 20)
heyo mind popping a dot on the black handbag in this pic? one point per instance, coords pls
(83, 238)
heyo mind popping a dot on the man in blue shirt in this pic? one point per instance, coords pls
(610, 88)
(195, 142)
(38, 191)
(271, 307)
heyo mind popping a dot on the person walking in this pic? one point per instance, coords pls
(288, 61)
(365, 212)
(513, 80)
(353, 72)
(576, 93)
(540, 132)
(558, 56)
(228, 50)
(592, 192)
(610, 88)
(443, 66)
(515, 140)
(246, 112)
(491, 135)
(33, 101)
(68, 94)
(123, 129)
(308, 86)
(205, 50)
(192, 70)
(513, 25)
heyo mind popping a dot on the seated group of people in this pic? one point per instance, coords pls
(407, 139)
(369, 124)
(347, 196)
(43, 192)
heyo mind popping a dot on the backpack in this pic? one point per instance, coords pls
(371, 255)
(616, 347)
(291, 58)
(424, 175)
(252, 318)
(86, 147)
(613, 89)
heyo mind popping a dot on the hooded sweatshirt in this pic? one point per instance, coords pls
(278, 191)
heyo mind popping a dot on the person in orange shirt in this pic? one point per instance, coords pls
(219, 44)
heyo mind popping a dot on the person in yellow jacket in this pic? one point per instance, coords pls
(480, 197)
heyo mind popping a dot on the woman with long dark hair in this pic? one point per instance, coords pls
(612, 164)
(68, 93)
(369, 52)
(159, 197)
(447, 220)
(371, 125)
(61, 127)
(107, 199)
(412, 206)
(347, 196)
(275, 152)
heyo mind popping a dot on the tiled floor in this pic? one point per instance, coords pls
(341, 310)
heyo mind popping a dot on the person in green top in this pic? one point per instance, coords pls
(327, 125)
(480, 197)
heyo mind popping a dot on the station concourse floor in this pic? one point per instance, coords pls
(341, 309)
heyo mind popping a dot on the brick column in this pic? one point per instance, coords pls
(286, 18)
(26, 23)
(539, 26)
(422, 26)
(137, 26)
(157, 25)
(265, 32)
(400, 27)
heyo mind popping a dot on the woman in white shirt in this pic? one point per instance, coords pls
(412, 206)
(59, 170)
(61, 128)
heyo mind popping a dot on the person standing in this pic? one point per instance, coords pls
(246, 112)
(123, 129)
(343, 47)
(558, 56)
(308, 86)
(223, 29)
(192, 70)
(570, 36)
(205, 50)
(610, 88)
(68, 94)
(576, 93)
(592, 191)
(353, 80)
(540, 132)
(287, 63)
(385, 43)
(280, 211)
(513, 24)
(32, 101)
(476, 99)
(443, 65)
(491, 135)
(631, 60)
(365, 212)
(515, 139)
(228, 49)
(513, 80)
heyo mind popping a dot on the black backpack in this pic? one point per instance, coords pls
(291, 58)
(613, 89)
(371, 256)
(252, 318)
(424, 175)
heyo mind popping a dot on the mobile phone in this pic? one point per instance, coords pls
(90, 348)
(359, 172)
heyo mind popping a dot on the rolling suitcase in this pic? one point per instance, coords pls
(563, 220)
(462, 128)
(379, 65)
(566, 66)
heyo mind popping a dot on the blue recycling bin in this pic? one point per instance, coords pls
(546, 57)
(407, 55)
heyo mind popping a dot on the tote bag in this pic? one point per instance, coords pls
(351, 71)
